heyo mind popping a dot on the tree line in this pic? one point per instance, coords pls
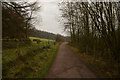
(43, 34)
(16, 19)
(94, 28)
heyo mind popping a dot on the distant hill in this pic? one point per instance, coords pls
(43, 34)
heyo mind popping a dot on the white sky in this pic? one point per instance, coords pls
(48, 18)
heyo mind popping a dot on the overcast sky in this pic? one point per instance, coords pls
(48, 18)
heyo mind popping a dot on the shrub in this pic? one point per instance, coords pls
(14, 43)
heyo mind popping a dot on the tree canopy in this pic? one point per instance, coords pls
(94, 27)
(16, 18)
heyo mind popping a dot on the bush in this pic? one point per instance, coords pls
(14, 43)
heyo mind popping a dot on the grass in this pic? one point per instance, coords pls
(40, 39)
(102, 68)
(44, 42)
(28, 61)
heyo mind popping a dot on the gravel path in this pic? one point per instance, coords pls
(67, 65)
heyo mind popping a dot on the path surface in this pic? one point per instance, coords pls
(67, 65)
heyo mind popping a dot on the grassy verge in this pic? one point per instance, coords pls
(28, 61)
(102, 68)
(44, 60)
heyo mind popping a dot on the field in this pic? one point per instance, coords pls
(30, 61)
(41, 39)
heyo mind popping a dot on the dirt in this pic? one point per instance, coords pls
(67, 65)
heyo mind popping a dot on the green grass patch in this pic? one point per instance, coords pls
(41, 39)
(102, 68)
(44, 62)
(28, 61)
